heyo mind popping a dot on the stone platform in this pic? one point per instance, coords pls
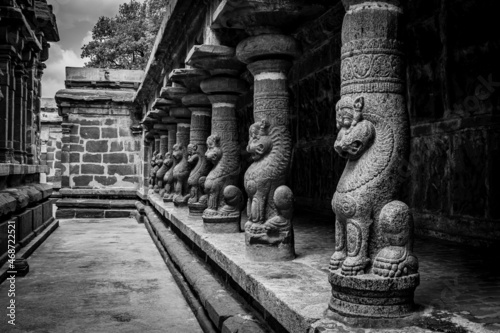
(458, 289)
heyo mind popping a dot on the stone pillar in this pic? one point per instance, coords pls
(200, 108)
(268, 231)
(30, 128)
(201, 113)
(223, 88)
(168, 179)
(65, 153)
(5, 106)
(19, 114)
(163, 132)
(373, 271)
(156, 161)
(180, 155)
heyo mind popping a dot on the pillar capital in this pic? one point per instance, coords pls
(217, 59)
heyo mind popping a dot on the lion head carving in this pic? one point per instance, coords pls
(192, 151)
(214, 150)
(260, 142)
(356, 134)
(167, 161)
(178, 151)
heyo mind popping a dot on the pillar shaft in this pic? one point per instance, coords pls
(19, 114)
(373, 232)
(268, 232)
(5, 107)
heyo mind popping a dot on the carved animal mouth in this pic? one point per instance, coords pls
(352, 150)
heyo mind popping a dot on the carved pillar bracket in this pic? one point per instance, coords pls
(374, 231)
(223, 89)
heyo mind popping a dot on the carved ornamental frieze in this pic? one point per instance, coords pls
(373, 271)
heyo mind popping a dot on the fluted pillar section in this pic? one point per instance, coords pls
(19, 114)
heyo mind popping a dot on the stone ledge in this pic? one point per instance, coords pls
(95, 203)
(293, 293)
(225, 309)
(110, 193)
(7, 169)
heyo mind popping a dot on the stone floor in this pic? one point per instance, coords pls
(98, 276)
(453, 277)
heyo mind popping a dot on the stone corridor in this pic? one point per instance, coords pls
(96, 275)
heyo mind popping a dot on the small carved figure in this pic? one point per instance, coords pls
(152, 172)
(158, 176)
(200, 168)
(269, 223)
(369, 222)
(224, 173)
(181, 174)
(168, 180)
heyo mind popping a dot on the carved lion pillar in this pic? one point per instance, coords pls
(269, 231)
(200, 108)
(168, 179)
(373, 271)
(223, 88)
(180, 155)
(162, 131)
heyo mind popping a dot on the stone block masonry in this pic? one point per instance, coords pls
(100, 144)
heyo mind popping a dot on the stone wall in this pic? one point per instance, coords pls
(99, 149)
(51, 135)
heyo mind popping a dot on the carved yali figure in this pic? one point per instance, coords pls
(268, 222)
(369, 222)
(223, 198)
(169, 181)
(200, 169)
(159, 173)
(154, 169)
(181, 174)
(162, 172)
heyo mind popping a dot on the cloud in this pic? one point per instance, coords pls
(55, 73)
(75, 20)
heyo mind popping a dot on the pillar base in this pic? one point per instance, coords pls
(225, 224)
(196, 209)
(371, 296)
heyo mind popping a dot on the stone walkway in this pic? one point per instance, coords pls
(99, 276)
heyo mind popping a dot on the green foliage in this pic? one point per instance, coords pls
(125, 41)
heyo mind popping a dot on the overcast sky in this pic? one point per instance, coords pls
(75, 20)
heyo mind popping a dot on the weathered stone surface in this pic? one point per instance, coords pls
(74, 157)
(82, 180)
(92, 158)
(37, 217)
(109, 133)
(97, 146)
(24, 226)
(106, 180)
(116, 146)
(89, 132)
(118, 158)
(89, 213)
(8, 204)
(95, 169)
(121, 169)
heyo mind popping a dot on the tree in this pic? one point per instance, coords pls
(125, 41)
